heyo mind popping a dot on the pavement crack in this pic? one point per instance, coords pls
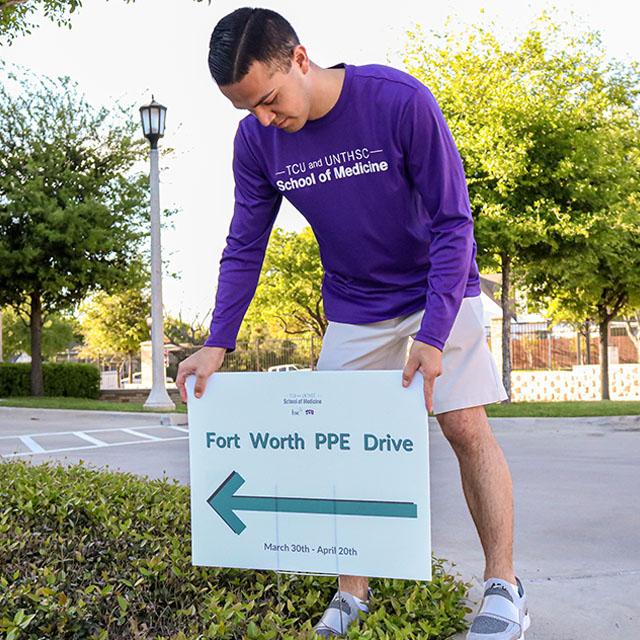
(587, 576)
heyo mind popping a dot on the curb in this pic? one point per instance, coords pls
(164, 418)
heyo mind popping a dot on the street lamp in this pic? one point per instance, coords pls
(153, 119)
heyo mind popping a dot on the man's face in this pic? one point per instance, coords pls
(277, 99)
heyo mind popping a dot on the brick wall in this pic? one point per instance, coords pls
(581, 383)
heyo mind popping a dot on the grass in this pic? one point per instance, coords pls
(564, 409)
(79, 403)
(514, 410)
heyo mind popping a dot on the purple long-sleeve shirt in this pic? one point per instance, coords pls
(381, 183)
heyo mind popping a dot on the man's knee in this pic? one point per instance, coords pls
(465, 429)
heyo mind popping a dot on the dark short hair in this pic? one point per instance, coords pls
(247, 35)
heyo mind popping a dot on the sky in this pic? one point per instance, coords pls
(125, 52)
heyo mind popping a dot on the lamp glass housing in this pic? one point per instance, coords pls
(153, 116)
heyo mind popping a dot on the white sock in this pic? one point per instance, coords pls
(338, 620)
(515, 586)
(362, 604)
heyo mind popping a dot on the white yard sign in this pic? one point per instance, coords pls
(319, 471)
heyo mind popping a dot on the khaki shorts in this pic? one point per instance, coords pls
(469, 376)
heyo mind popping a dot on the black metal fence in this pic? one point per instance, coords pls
(533, 346)
(539, 346)
(260, 355)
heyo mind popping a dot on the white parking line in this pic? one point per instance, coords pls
(34, 447)
(89, 446)
(88, 438)
(131, 432)
(66, 433)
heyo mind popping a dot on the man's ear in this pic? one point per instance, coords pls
(301, 58)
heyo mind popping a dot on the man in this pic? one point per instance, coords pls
(364, 153)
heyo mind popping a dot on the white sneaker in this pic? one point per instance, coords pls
(504, 614)
(343, 609)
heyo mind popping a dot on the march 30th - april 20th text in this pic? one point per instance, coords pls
(305, 548)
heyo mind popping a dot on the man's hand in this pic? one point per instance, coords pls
(203, 363)
(428, 360)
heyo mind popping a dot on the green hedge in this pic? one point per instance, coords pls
(99, 555)
(69, 379)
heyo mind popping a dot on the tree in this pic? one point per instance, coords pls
(594, 275)
(522, 118)
(591, 260)
(72, 213)
(180, 332)
(289, 292)
(59, 332)
(15, 15)
(115, 325)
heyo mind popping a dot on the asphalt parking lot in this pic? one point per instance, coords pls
(576, 491)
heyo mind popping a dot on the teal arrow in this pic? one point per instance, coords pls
(225, 503)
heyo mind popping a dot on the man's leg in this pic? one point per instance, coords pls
(376, 345)
(486, 482)
(355, 585)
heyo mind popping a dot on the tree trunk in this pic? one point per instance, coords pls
(37, 384)
(587, 333)
(578, 348)
(604, 359)
(506, 323)
(130, 368)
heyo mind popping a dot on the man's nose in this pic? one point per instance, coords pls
(265, 116)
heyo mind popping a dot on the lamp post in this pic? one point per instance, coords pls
(153, 119)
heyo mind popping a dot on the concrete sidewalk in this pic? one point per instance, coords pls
(577, 509)
(577, 523)
(26, 418)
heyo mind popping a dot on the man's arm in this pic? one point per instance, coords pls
(437, 172)
(436, 169)
(256, 207)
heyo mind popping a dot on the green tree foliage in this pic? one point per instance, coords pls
(180, 331)
(587, 268)
(534, 123)
(289, 296)
(115, 325)
(72, 213)
(16, 16)
(59, 332)
(593, 274)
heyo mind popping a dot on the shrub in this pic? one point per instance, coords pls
(70, 379)
(88, 554)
